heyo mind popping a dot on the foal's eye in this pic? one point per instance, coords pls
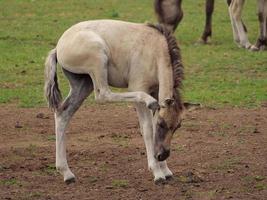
(162, 124)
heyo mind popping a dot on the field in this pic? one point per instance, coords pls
(219, 153)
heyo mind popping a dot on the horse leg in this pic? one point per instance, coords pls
(180, 14)
(80, 87)
(208, 26)
(165, 169)
(140, 120)
(99, 75)
(261, 43)
(235, 11)
(229, 3)
(146, 124)
(234, 28)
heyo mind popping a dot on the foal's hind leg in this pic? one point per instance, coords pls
(80, 87)
(261, 43)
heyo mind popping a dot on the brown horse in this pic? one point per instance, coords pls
(239, 30)
(170, 13)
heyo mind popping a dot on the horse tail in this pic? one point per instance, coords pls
(52, 92)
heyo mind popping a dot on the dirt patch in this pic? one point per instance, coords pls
(217, 154)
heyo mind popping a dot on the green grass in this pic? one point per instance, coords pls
(50, 169)
(227, 164)
(219, 74)
(119, 183)
(9, 182)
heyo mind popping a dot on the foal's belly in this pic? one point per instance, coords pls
(117, 78)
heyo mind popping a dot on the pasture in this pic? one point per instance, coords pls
(219, 153)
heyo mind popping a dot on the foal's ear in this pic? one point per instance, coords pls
(167, 103)
(190, 106)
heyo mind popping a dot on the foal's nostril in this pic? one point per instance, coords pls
(163, 155)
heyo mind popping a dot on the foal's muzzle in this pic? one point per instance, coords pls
(162, 155)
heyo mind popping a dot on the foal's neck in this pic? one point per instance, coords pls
(165, 77)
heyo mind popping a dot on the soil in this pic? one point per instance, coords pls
(217, 154)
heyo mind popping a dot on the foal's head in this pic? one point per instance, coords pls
(168, 117)
(167, 121)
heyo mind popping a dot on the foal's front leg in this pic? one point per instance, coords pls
(103, 93)
(160, 169)
(165, 169)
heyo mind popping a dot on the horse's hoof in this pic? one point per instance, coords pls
(154, 106)
(248, 46)
(254, 48)
(201, 41)
(70, 180)
(169, 177)
(160, 181)
(263, 48)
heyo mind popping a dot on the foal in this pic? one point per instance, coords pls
(239, 30)
(143, 58)
(170, 13)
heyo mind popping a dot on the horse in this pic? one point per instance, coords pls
(239, 30)
(170, 13)
(143, 58)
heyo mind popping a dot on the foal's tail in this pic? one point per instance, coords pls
(52, 92)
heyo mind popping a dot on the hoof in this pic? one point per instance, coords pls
(160, 181)
(169, 177)
(263, 48)
(154, 106)
(201, 41)
(254, 48)
(70, 180)
(248, 47)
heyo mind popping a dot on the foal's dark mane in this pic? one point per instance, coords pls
(176, 60)
(174, 52)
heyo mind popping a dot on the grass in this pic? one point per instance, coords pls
(9, 182)
(122, 141)
(92, 179)
(120, 183)
(51, 138)
(219, 74)
(254, 182)
(221, 130)
(32, 195)
(227, 164)
(50, 169)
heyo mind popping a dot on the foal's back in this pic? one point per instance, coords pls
(122, 46)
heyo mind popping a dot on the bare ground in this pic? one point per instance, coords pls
(217, 154)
